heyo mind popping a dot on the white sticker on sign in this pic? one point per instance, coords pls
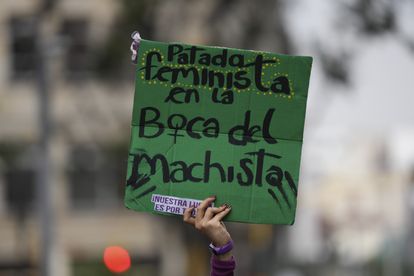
(172, 204)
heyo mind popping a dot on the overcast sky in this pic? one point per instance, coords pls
(380, 98)
(381, 95)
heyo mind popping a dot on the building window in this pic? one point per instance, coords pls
(23, 46)
(78, 59)
(95, 177)
(20, 190)
(19, 177)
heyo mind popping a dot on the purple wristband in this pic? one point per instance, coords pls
(221, 250)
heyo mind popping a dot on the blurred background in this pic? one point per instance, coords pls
(66, 94)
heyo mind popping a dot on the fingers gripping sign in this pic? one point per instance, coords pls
(201, 209)
(208, 220)
(191, 213)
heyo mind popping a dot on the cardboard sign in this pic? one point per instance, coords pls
(217, 121)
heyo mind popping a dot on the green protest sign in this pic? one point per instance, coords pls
(217, 121)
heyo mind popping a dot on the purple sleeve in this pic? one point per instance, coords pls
(222, 268)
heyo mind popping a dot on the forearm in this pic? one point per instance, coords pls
(223, 266)
(222, 260)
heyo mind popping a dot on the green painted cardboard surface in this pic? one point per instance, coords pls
(217, 121)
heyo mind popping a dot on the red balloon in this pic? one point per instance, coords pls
(116, 259)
